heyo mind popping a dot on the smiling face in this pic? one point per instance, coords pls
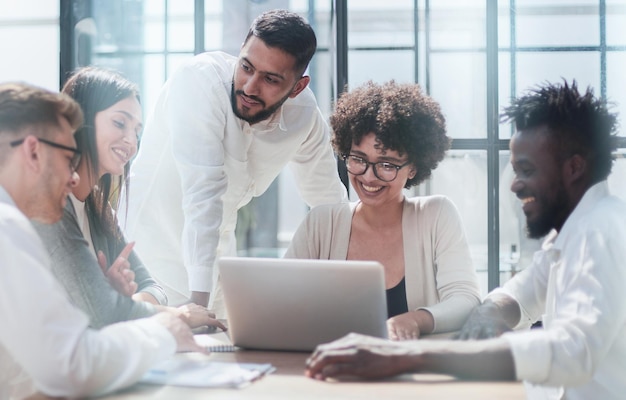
(264, 79)
(371, 190)
(117, 131)
(538, 181)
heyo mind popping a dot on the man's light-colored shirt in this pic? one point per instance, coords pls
(577, 286)
(44, 341)
(198, 164)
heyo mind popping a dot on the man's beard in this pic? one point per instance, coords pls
(262, 115)
(47, 210)
(549, 217)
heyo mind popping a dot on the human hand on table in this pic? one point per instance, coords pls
(119, 274)
(484, 322)
(196, 316)
(181, 332)
(410, 325)
(403, 327)
(362, 356)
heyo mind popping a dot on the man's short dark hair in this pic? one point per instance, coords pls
(288, 32)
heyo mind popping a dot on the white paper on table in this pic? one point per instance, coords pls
(204, 373)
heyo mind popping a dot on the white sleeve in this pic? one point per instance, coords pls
(589, 314)
(196, 121)
(457, 284)
(528, 288)
(50, 340)
(315, 167)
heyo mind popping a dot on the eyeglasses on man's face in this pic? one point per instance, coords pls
(385, 171)
(76, 154)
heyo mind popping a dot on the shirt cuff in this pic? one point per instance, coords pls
(200, 279)
(531, 353)
(157, 293)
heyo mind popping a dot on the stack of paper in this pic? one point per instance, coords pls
(204, 373)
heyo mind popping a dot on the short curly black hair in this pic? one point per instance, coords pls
(579, 123)
(402, 117)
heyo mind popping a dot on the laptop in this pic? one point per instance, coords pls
(296, 304)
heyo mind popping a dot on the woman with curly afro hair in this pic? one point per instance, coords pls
(391, 137)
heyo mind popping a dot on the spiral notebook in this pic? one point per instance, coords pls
(296, 304)
(221, 348)
(216, 342)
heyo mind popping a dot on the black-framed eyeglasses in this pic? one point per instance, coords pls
(76, 154)
(385, 171)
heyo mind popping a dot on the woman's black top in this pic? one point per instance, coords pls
(396, 300)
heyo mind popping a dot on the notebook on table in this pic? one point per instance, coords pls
(296, 304)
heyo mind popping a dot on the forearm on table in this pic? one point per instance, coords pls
(99, 300)
(149, 290)
(147, 297)
(451, 313)
(425, 321)
(477, 359)
(146, 283)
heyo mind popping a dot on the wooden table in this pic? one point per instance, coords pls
(289, 382)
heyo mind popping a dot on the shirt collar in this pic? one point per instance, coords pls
(5, 197)
(589, 200)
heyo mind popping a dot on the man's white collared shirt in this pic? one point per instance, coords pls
(577, 286)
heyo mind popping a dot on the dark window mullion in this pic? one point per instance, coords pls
(165, 41)
(493, 151)
(198, 26)
(427, 43)
(416, 27)
(602, 15)
(341, 64)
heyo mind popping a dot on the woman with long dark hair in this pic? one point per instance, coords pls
(88, 237)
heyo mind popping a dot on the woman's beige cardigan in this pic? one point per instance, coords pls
(439, 274)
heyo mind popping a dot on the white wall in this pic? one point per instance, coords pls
(29, 42)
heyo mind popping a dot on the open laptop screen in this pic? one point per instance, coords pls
(296, 304)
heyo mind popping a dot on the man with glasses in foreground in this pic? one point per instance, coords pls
(561, 157)
(45, 344)
(74, 161)
(392, 136)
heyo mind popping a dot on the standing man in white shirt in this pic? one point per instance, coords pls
(45, 344)
(561, 156)
(222, 130)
